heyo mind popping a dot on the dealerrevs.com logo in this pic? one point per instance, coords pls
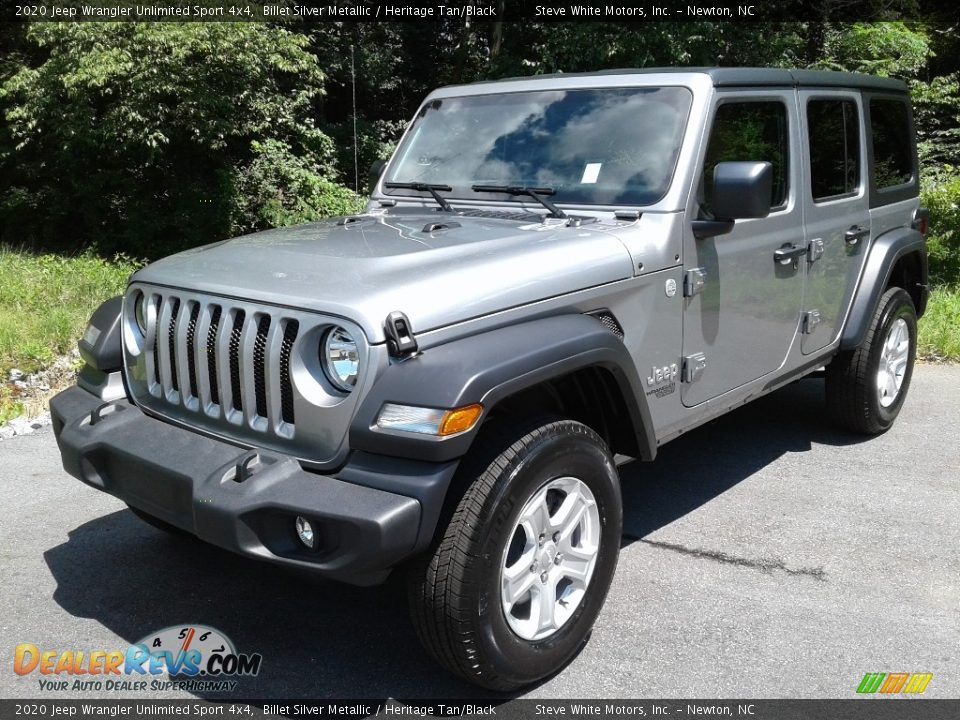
(195, 657)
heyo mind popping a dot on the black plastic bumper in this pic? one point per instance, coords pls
(247, 500)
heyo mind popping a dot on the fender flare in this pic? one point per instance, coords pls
(101, 347)
(488, 367)
(885, 251)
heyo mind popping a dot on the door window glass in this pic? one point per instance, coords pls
(833, 128)
(892, 159)
(749, 131)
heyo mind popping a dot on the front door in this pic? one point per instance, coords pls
(837, 215)
(745, 314)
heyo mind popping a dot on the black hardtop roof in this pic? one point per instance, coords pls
(748, 76)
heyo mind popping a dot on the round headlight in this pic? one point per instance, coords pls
(340, 357)
(140, 312)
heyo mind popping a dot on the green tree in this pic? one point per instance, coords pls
(533, 48)
(942, 199)
(937, 114)
(138, 136)
(387, 68)
(888, 49)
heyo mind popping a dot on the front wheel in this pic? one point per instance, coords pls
(512, 590)
(866, 386)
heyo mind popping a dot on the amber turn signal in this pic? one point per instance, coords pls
(459, 420)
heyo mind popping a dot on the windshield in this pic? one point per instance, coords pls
(614, 146)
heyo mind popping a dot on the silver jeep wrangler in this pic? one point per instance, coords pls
(550, 272)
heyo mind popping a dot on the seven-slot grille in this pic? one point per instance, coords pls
(222, 361)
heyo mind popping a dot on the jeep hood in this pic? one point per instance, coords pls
(375, 264)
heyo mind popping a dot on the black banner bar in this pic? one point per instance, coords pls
(506, 709)
(626, 11)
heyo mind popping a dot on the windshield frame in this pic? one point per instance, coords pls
(488, 198)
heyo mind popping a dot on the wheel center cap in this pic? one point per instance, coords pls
(548, 553)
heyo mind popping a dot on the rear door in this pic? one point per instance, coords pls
(836, 210)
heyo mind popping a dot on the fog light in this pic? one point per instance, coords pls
(305, 532)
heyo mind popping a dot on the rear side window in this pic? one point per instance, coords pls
(892, 157)
(833, 128)
(744, 131)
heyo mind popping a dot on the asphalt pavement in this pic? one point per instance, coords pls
(765, 555)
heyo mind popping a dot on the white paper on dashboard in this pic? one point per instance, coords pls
(591, 172)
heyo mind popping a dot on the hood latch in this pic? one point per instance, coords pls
(400, 339)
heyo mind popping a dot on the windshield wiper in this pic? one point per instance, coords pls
(537, 193)
(425, 187)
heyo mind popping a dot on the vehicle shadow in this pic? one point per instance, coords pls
(328, 640)
(697, 467)
(318, 639)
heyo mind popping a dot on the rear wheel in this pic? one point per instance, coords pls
(510, 593)
(866, 387)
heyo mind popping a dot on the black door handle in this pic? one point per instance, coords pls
(855, 234)
(788, 253)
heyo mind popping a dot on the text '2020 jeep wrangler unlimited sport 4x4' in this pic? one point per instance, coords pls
(550, 271)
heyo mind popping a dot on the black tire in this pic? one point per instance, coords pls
(454, 591)
(853, 400)
(161, 525)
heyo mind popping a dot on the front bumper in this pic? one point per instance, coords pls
(246, 500)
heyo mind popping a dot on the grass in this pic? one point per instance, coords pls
(45, 302)
(940, 326)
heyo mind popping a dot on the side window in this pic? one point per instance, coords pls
(833, 128)
(892, 157)
(749, 131)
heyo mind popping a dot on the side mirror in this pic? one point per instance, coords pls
(741, 191)
(374, 173)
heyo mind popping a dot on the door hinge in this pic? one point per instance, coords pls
(694, 281)
(814, 250)
(693, 367)
(811, 319)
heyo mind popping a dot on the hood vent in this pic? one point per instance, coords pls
(501, 215)
(433, 227)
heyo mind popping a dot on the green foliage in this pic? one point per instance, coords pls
(939, 332)
(149, 137)
(280, 188)
(942, 199)
(9, 407)
(46, 300)
(376, 140)
(562, 47)
(888, 49)
(937, 116)
(133, 135)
